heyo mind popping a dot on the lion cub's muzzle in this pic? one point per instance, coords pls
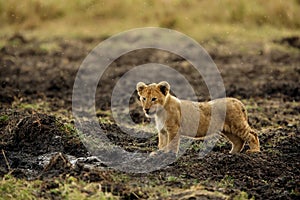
(150, 111)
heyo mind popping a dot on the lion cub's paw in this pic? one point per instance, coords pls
(157, 153)
(154, 153)
(253, 151)
(161, 152)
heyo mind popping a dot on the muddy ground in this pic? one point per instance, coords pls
(38, 139)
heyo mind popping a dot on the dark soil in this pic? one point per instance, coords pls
(38, 139)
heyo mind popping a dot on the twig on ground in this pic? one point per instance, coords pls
(6, 161)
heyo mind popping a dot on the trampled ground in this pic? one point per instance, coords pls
(36, 124)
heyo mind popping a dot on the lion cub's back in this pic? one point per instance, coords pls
(234, 108)
(205, 118)
(236, 114)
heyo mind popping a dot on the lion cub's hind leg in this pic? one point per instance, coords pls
(236, 142)
(250, 136)
(253, 142)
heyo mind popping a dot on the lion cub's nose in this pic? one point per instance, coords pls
(147, 111)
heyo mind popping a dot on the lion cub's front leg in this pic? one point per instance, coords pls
(173, 139)
(162, 139)
(162, 142)
(168, 141)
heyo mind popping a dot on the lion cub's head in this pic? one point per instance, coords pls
(153, 96)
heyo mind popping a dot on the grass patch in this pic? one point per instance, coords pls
(70, 188)
(40, 106)
(242, 196)
(172, 179)
(104, 116)
(29, 106)
(12, 188)
(68, 128)
(120, 177)
(226, 182)
(50, 47)
(4, 118)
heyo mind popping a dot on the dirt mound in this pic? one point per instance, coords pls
(37, 133)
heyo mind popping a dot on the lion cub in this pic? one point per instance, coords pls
(175, 118)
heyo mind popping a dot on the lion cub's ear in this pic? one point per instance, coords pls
(140, 86)
(164, 87)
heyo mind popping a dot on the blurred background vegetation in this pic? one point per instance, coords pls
(201, 19)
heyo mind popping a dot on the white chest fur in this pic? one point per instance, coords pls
(160, 121)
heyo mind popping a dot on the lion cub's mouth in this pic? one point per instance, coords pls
(150, 112)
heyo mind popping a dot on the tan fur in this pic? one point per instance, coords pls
(175, 118)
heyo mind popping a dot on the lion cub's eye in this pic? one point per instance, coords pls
(153, 99)
(144, 98)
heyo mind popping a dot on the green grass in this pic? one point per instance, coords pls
(228, 19)
(70, 188)
(40, 106)
(242, 196)
(4, 118)
(11, 188)
(29, 106)
(226, 182)
(172, 179)
(68, 128)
